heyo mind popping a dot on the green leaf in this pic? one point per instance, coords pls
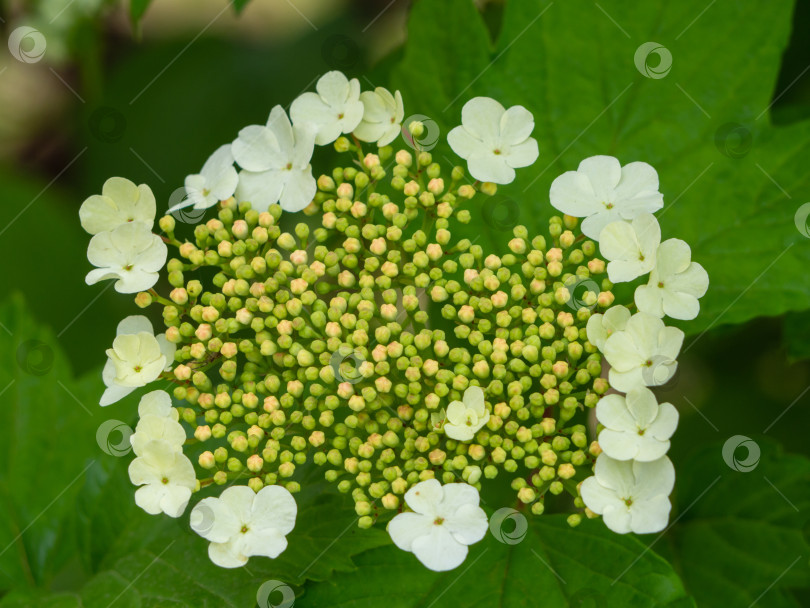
(731, 181)
(47, 446)
(562, 565)
(796, 335)
(137, 8)
(741, 538)
(239, 5)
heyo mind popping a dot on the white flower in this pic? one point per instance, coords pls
(493, 140)
(631, 496)
(637, 427)
(382, 116)
(158, 403)
(336, 107)
(139, 348)
(446, 519)
(630, 247)
(167, 479)
(675, 284)
(241, 523)
(216, 182)
(643, 354)
(120, 202)
(129, 253)
(601, 326)
(276, 165)
(465, 419)
(602, 191)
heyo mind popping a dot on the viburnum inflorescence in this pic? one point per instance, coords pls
(371, 340)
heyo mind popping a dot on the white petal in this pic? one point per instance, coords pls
(648, 298)
(459, 432)
(573, 194)
(260, 189)
(214, 520)
(407, 527)
(333, 87)
(225, 555)
(655, 478)
(523, 154)
(621, 445)
(257, 149)
(468, 524)
(611, 411)
(465, 144)
(650, 515)
(604, 173)
(491, 167)
(517, 123)
(274, 507)
(425, 497)
(474, 400)
(267, 542)
(617, 518)
(596, 496)
(481, 116)
(456, 413)
(439, 551)
(299, 190)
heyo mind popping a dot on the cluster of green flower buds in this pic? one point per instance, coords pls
(342, 340)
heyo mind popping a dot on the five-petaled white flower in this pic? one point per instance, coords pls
(336, 107)
(494, 141)
(214, 183)
(275, 159)
(465, 419)
(135, 346)
(242, 523)
(675, 284)
(643, 354)
(602, 191)
(166, 478)
(630, 247)
(120, 202)
(157, 403)
(631, 496)
(601, 326)
(445, 520)
(382, 116)
(129, 253)
(637, 427)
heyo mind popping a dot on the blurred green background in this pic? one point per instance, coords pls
(150, 99)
